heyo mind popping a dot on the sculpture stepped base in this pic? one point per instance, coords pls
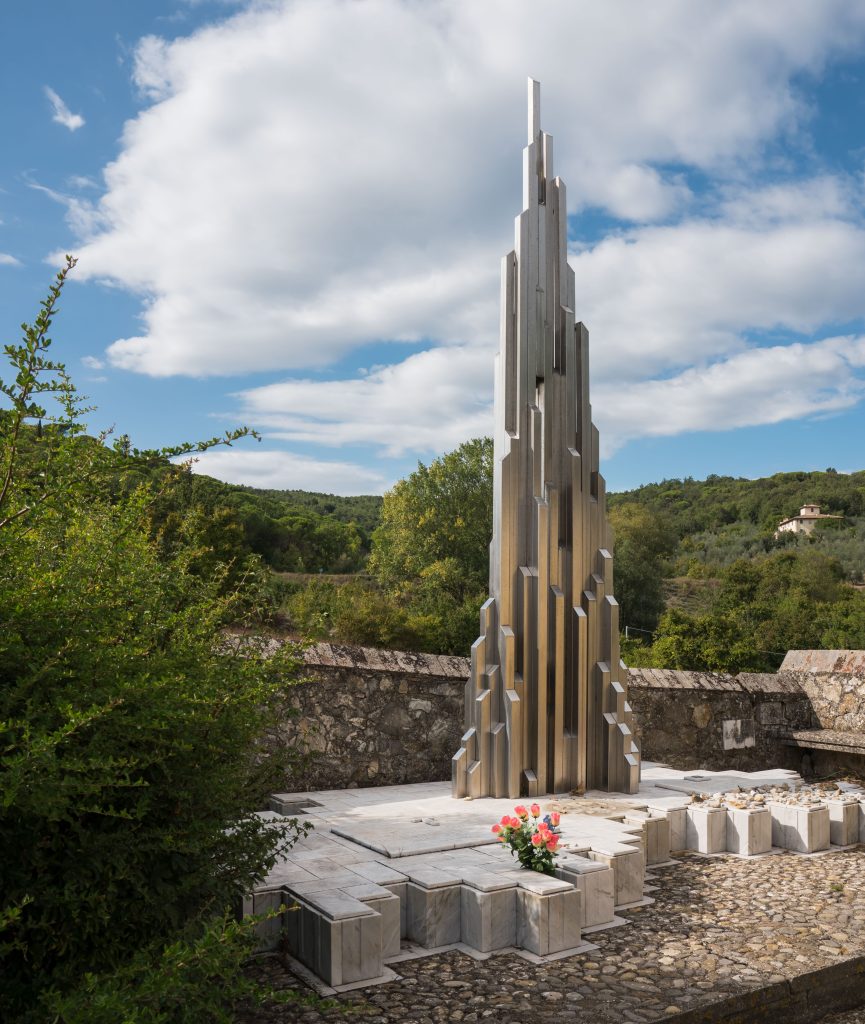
(385, 876)
(359, 910)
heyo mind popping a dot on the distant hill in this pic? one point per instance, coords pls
(714, 522)
(690, 506)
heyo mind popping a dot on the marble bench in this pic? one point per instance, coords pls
(392, 880)
(432, 906)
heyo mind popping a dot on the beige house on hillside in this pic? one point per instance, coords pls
(805, 521)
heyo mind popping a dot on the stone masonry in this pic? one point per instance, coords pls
(368, 717)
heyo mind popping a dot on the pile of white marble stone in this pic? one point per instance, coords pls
(801, 795)
(797, 816)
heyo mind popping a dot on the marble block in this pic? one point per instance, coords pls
(390, 879)
(706, 829)
(337, 937)
(548, 923)
(432, 914)
(749, 831)
(387, 906)
(862, 821)
(678, 819)
(801, 829)
(843, 822)
(488, 917)
(656, 835)
(595, 883)
(628, 870)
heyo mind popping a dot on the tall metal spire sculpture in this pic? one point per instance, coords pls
(546, 705)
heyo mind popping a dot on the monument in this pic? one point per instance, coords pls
(546, 706)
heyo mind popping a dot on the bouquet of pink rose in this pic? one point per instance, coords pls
(534, 843)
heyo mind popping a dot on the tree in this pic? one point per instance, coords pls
(432, 547)
(129, 764)
(643, 543)
(442, 511)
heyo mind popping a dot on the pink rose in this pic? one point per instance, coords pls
(536, 811)
(555, 818)
(497, 828)
(537, 839)
(514, 822)
(506, 820)
(521, 811)
(503, 838)
(552, 843)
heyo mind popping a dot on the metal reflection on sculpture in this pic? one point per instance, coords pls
(546, 705)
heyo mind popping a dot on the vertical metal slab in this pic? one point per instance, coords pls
(557, 742)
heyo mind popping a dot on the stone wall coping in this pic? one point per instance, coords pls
(446, 666)
(374, 659)
(852, 662)
(768, 682)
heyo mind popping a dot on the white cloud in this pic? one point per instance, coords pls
(764, 385)
(81, 215)
(282, 470)
(312, 176)
(430, 402)
(665, 297)
(92, 363)
(7, 260)
(657, 301)
(61, 114)
(82, 181)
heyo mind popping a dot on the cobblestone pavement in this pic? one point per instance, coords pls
(719, 926)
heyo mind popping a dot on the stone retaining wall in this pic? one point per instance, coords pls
(369, 717)
(715, 721)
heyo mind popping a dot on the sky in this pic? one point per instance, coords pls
(290, 215)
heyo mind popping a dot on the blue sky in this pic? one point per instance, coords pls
(291, 215)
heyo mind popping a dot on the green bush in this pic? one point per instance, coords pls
(129, 721)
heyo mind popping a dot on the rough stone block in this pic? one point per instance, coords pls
(749, 831)
(706, 829)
